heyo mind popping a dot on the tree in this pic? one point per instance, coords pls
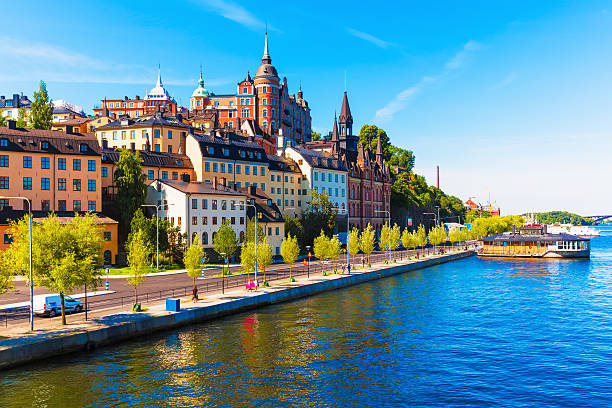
(225, 241)
(314, 136)
(454, 235)
(141, 223)
(41, 108)
(384, 238)
(131, 189)
(401, 157)
(294, 227)
(6, 274)
(289, 251)
(368, 236)
(320, 245)
(264, 256)
(247, 256)
(437, 235)
(396, 234)
(320, 214)
(2, 120)
(250, 232)
(138, 258)
(369, 135)
(353, 243)
(63, 255)
(22, 118)
(193, 259)
(176, 241)
(421, 236)
(334, 247)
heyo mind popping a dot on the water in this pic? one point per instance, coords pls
(475, 332)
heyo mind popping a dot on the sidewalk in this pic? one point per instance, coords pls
(76, 296)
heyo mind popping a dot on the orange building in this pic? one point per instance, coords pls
(57, 171)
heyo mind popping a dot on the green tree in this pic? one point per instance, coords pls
(247, 256)
(176, 241)
(289, 251)
(368, 136)
(130, 187)
(320, 214)
(225, 242)
(264, 256)
(454, 235)
(421, 236)
(193, 260)
(368, 237)
(141, 223)
(315, 136)
(320, 248)
(139, 255)
(407, 241)
(396, 235)
(22, 118)
(2, 120)
(401, 157)
(353, 243)
(294, 227)
(437, 235)
(41, 108)
(250, 232)
(334, 248)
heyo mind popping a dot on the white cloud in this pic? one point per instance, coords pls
(511, 77)
(234, 12)
(370, 38)
(398, 103)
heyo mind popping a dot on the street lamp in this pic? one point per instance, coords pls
(348, 258)
(388, 231)
(156, 225)
(223, 256)
(308, 249)
(435, 221)
(31, 275)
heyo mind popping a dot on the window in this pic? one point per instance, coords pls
(269, 230)
(179, 221)
(91, 185)
(27, 183)
(229, 168)
(164, 175)
(204, 204)
(194, 204)
(44, 145)
(45, 205)
(3, 142)
(157, 148)
(8, 239)
(91, 165)
(4, 161)
(114, 135)
(76, 185)
(247, 170)
(225, 151)
(27, 162)
(238, 170)
(151, 174)
(263, 171)
(205, 238)
(156, 133)
(204, 220)
(76, 205)
(244, 90)
(316, 176)
(194, 220)
(123, 135)
(222, 167)
(211, 150)
(336, 179)
(91, 206)
(214, 220)
(107, 235)
(169, 134)
(224, 205)
(263, 186)
(44, 162)
(104, 172)
(254, 170)
(206, 166)
(215, 167)
(277, 230)
(343, 178)
(76, 164)
(4, 202)
(265, 113)
(61, 184)
(169, 148)
(61, 205)
(214, 204)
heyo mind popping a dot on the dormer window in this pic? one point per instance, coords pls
(44, 145)
(250, 155)
(3, 142)
(269, 202)
(179, 162)
(244, 90)
(83, 147)
(259, 155)
(225, 151)
(211, 150)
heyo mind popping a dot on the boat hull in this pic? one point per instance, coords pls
(548, 254)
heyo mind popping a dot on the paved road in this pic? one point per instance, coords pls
(159, 287)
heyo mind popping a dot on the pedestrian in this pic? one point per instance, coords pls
(363, 261)
(343, 267)
(194, 296)
(417, 255)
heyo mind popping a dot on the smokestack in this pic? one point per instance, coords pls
(437, 176)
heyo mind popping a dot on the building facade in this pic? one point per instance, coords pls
(9, 107)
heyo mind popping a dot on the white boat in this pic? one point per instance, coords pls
(577, 230)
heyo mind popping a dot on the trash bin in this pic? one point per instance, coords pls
(173, 305)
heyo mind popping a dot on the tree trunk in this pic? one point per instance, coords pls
(290, 276)
(135, 295)
(63, 310)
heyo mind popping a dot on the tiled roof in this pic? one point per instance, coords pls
(234, 143)
(157, 119)
(283, 164)
(265, 205)
(31, 140)
(199, 188)
(151, 159)
(320, 160)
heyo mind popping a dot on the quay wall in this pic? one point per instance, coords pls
(32, 349)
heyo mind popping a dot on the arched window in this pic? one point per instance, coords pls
(205, 238)
(264, 113)
(265, 124)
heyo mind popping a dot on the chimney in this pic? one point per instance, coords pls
(252, 190)
(185, 177)
(137, 97)
(214, 183)
(513, 229)
(545, 229)
(179, 117)
(12, 124)
(437, 176)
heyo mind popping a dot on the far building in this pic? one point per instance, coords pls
(9, 107)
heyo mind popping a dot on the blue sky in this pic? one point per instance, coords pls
(511, 98)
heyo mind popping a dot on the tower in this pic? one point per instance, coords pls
(266, 83)
(345, 120)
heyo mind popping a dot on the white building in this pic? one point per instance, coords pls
(199, 209)
(323, 172)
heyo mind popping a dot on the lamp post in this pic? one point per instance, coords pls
(435, 220)
(253, 205)
(222, 269)
(388, 231)
(156, 226)
(31, 274)
(308, 249)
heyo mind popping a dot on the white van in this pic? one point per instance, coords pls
(51, 305)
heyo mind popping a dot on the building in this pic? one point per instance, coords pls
(9, 107)
(263, 99)
(158, 99)
(289, 189)
(269, 216)
(199, 209)
(323, 172)
(162, 166)
(158, 132)
(224, 154)
(369, 178)
(109, 250)
(57, 171)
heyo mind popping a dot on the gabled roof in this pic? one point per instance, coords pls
(264, 203)
(198, 188)
(279, 163)
(9, 214)
(151, 159)
(31, 140)
(234, 143)
(320, 160)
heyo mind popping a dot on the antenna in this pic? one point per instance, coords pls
(345, 80)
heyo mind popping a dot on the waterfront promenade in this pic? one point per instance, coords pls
(18, 345)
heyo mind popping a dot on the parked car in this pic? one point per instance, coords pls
(51, 305)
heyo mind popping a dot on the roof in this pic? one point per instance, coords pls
(320, 159)
(532, 237)
(200, 90)
(30, 140)
(151, 159)
(62, 110)
(157, 119)
(266, 69)
(9, 214)
(279, 163)
(72, 122)
(199, 188)
(345, 111)
(264, 203)
(234, 143)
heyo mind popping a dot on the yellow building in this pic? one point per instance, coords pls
(288, 186)
(269, 216)
(158, 133)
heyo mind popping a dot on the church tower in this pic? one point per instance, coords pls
(348, 142)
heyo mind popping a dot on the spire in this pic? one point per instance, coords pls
(379, 153)
(361, 154)
(159, 81)
(334, 136)
(345, 112)
(266, 57)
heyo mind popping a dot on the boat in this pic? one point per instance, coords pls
(578, 230)
(534, 241)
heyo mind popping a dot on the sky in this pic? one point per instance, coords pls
(512, 99)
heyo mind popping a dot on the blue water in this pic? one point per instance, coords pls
(486, 333)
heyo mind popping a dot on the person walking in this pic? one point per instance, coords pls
(194, 296)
